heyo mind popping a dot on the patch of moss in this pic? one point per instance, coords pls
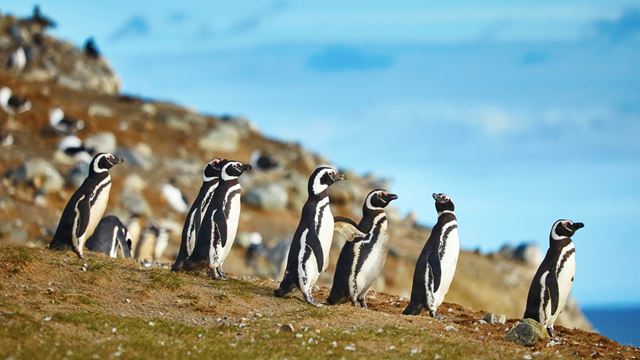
(165, 279)
(15, 259)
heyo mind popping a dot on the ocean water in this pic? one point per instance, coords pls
(621, 324)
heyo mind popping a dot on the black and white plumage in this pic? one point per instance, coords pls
(64, 124)
(91, 49)
(552, 282)
(362, 259)
(86, 206)
(437, 262)
(13, 104)
(110, 237)
(174, 197)
(263, 161)
(219, 224)
(74, 148)
(210, 179)
(309, 251)
(17, 60)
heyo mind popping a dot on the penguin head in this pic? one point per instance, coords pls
(564, 228)
(102, 162)
(379, 199)
(321, 178)
(231, 169)
(443, 202)
(212, 170)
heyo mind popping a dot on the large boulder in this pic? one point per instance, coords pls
(224, 138)
(268, 197)
(102, 142)
(40, 173)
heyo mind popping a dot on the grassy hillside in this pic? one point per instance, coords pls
(50, 308)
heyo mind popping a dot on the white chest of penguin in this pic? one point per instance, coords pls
(449, 247)
(565, 273)
(324, 219)
(233, 203)
(99, 204)
(372, 265)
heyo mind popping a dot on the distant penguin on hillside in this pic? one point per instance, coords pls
(110, 237)
(75, 149)
(210, 179)
(17, 60)
(91, 49)
(362, 259)
(309, 252)
(219, 224)
(552, 282)
(86, 206)
(174, 196)
(144, 250)
(64, 124)
(40, 19)
(437, 262)
(13, 104)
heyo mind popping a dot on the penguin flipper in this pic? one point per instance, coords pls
(436, 269)
(83, 206)
(221, 227)
(313, 242)
(551, 284)
(348, 228)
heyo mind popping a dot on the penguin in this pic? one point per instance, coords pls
(134, 228)
(175, 197)
(361, 260)
(110, 237)
(64, 124)
(75, 149)
(38, 18)
(13, 104)
(17, 60)
(437, 262)
(309, 251)
(210, 179)
(263, 161)
(552, 282)
(219, 224)
(90, 49)
(144, 250)
(86, 206)
(162, 241)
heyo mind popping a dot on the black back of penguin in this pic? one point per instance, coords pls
(374, 205)
(110, 237)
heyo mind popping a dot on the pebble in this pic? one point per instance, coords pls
(350, 347)
(450, 328)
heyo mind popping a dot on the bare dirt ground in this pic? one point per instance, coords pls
(50, 308)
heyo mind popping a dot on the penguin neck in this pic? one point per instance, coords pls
(319, 196)
(446, 212)
(98, 176)
(368, 217)
(559, 243)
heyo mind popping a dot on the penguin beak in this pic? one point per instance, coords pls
(339, 177)
(435, 196)
(246, 167)
(391, 197)
(117, 160)
(577, 226)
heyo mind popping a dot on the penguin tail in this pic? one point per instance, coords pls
(191, 265)
(177, 266)
(286, 286)
(413, 309)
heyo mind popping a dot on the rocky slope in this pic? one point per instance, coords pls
(157, 140)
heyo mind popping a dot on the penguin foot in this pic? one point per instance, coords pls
(221, 274)
(362, 303)
(552, 333)
(309, 299)
(434, 314)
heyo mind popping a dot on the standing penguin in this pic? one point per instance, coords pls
(362, 259)
(219, 225)
(309, 252)
(110, 237)
(552, 282)
(437, 261)
(86, 206)
(210, 179)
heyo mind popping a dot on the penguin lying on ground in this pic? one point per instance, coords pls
(64, 124)
(437, 261)
(86, 206)
(219, 225)
(13, 104)
(362, 259)
(210, 179)
(174, 196)
(17, 60)
(110, 237)
(309, 251)
(552, 282)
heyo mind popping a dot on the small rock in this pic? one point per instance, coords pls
(342, 193)
(149, 109)
(268, 197)
(527, 332)
(334, 344)
(527, 357)
(102, 142)
(40, 173)
(100, 110)
(134, 202)
(47, 318)
(140, 155)
(350, 347)
(495, 319)
(450, 328)
(19, 235)
(287, 328)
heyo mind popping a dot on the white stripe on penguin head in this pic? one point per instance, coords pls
(368, 201)
(225, 175)
(319, 187)
(554, 229)
(96, 164)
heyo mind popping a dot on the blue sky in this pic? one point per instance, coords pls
(523, 112)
